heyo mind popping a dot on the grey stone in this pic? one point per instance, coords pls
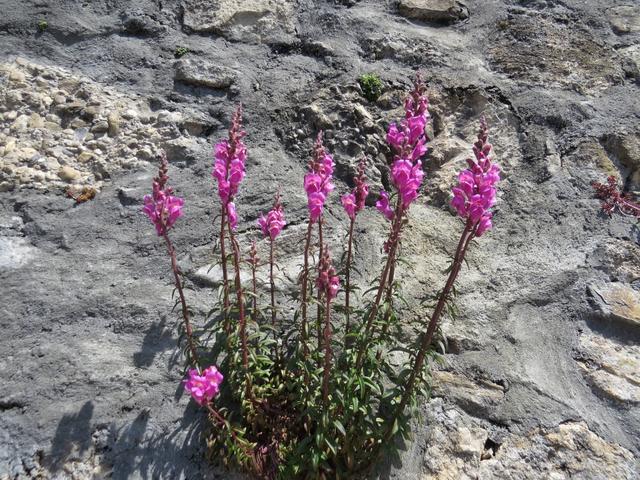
(624, 19)
(439, 11)
(251, 21)
(204, 74)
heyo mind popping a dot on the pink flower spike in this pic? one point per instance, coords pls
(328, 282)
(349, 204)
(230, 157)
(317, 182)
(162, 208)
(475, 193)
(274, 222)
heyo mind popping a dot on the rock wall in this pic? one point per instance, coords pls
(541, 374)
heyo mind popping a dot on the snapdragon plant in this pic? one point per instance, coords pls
(316, 396)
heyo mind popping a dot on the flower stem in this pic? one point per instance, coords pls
(394, 238)
(272, 285)
(185, 310)
(427, 337)
(319, 297)
(225, 273)
(303, 293)
(327, 351)
(242, 320)
(254, 286)
(347, 325)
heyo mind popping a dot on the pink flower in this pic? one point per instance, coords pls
(232, 215)
(354, 202)
(475, 193)
(484, 224)
(203, 388)
(230, 158)
(408, 141)
(317, 182)
(328, 282)
(162, 208)
(274, 222)
(315, 203)
(383, 205)
(349, 204)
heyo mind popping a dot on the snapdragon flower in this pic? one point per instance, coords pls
(273, 223)
(475, 193)
(383, 205)
(354, 201)
(162, 208)
(408, 143)
(318, 181)
(232, 215)
(328, 282)
(203, 387)
(229, 165)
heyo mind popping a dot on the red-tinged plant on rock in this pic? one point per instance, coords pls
(316, 395)
(612, 200)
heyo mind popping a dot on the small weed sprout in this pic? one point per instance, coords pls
(371, 86)
(42, 25)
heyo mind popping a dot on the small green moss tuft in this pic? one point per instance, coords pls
(371, 86)
(181, 52)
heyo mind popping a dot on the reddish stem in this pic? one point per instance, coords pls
(225, 274)
(254, 285)
(394, 238)
(242, 320)
(427, 337)
(272, 285)
(183, 302)
(327, 351)
(347, 325)
(305, 280)
(319, 296)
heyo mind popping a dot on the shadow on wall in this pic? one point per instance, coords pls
(137, 449)
(158, 338)
(159, 454)
(72, 438)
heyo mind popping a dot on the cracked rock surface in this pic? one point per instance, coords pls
(540, 379)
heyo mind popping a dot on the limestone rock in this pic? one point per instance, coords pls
(624, 19)
(113, 124)
(617, 301)
(250, 21)
(569, 450)
(471, 396)
(203, 74)
(579, 61)
(68, 174)
(439, 11)
(612, 367)
(15, 252)
(626, 149)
